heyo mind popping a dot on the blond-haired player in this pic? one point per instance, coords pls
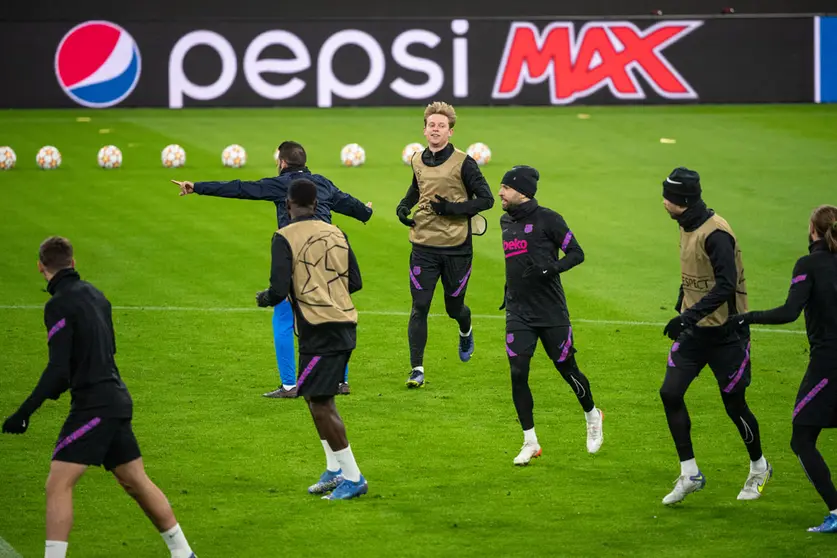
(448, 190)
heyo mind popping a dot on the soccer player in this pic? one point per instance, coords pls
(291, 165)
(712, 288)
(311, 261)
(536, 307)
(82, 345)
(814, 288)
(449, 189)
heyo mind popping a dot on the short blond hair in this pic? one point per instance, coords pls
(440, 107)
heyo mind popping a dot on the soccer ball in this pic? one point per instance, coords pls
(48, 158)
(7, 158)
(109, 157)
(352, 155)
(409, 150)
(173, 156)
(480, 153)
(234, 156)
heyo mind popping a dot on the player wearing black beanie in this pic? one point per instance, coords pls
(712, 288)
(536, 307)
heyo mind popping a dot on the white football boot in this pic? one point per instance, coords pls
(684, 486)
(755, 484)
(595, 436)
(527, 453)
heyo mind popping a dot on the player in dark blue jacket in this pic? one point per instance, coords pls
(291, 165)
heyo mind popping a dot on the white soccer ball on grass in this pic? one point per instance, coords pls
(480, 153)
(409, 150)
(234, 156)
(352, 155)
(173, 156)
(7, 158)
(109, 157)
(48, 157)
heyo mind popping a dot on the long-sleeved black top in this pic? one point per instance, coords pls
(720, 247)
(82, 345)
(313, 339)
(532, 238)
(479, 194)
(813, 288)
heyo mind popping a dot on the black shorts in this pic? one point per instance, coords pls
(521, 340)
(427, 267)
(97, 441)
(816, 401)
(728, 358)
(321, 374)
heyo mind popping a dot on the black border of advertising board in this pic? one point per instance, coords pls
(469, 62)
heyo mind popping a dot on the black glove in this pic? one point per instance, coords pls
(441, 206)
(262, 298)
(740, 319)
(674, 327)
(16, 424)
(402, 212)
(543, 271)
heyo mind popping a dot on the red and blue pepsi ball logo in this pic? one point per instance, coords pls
(97, 64)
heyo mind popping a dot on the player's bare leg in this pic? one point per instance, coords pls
(331, 429)
(333, 474)
(62, 479)
(154, 503)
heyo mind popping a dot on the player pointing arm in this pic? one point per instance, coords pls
(291, 165)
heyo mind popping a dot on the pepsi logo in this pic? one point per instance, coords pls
(97, 64)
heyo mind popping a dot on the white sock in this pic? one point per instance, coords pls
(833, 512)
(331, 459)
(176, 541)
(689, 468)
(759, 466)
(529, 437)
(55, 549)
(289, 387)
(348, 464)
(419, 368)
(593, 415)
(466, 334)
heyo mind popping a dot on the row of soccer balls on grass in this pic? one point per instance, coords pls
(234, 156)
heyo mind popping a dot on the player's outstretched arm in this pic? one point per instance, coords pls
(55, 379)
(281, 272)
(799, 294)
(346, 204)
(266, 189)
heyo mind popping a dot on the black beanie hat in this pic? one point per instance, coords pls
(522, 178)
(682, 187)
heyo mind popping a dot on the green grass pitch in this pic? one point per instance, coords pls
(439, 461)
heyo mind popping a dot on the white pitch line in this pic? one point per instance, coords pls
(6, 550)
(499, 316)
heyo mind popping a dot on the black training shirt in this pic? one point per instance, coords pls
(532, 236)
(82, 345)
